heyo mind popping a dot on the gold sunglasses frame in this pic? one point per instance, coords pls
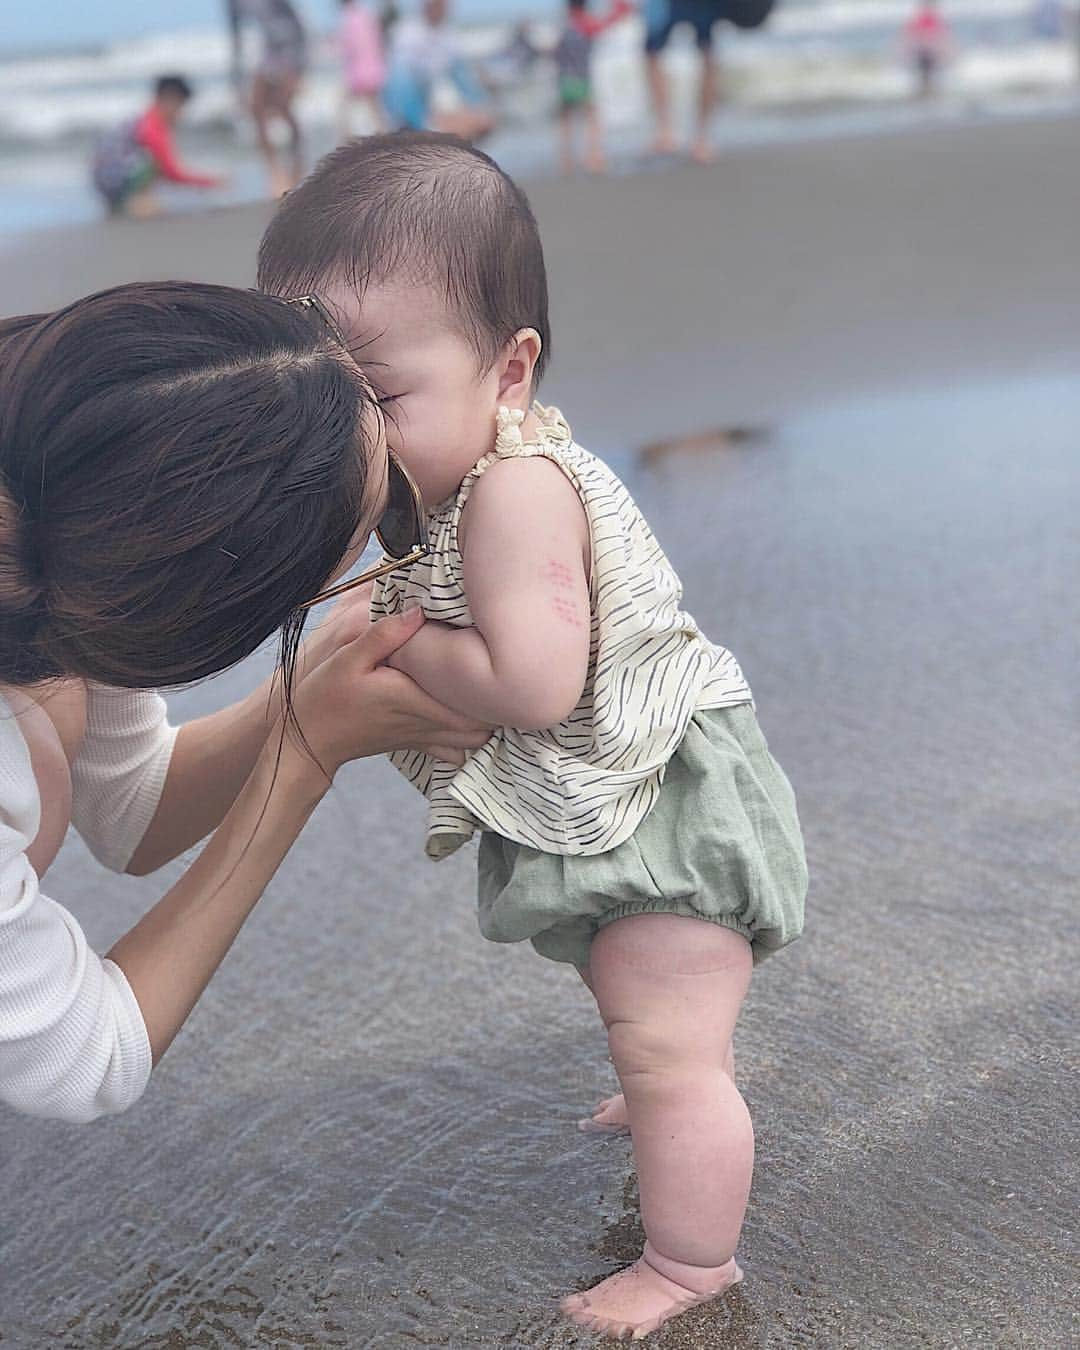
(388, 563)
(420, 550)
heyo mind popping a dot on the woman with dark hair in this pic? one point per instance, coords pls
(183, 470)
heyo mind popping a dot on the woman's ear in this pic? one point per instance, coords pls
(517, 367)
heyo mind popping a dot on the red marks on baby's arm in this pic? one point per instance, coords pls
(566, 604)
(559, 574)
(568, 612)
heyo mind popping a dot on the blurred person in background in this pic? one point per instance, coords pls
(424, 52)
(134, 157)
(1048, 19)
(573, 68)
(515, 59)
(662, 17)
(275, 81)
(363, 54)
(927, 46)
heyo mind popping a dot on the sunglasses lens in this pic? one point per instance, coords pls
(399, 528)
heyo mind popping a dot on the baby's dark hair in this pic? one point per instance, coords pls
(424, 208)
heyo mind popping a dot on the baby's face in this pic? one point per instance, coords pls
(440, 409)
(376, 488)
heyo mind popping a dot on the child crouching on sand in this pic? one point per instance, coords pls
(632, 820)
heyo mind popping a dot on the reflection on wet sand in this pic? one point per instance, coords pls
(709, 442)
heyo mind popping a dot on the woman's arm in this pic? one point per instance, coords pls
(171, 953)
(212, 759)
(524, 539)
(214, 755)
(78, 1034)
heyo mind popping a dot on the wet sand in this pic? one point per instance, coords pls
(365, 1136)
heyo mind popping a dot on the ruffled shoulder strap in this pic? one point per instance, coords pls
(552, 440)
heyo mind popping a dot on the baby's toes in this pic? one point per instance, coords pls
(609, 1117)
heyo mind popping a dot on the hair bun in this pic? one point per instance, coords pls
(20, 582)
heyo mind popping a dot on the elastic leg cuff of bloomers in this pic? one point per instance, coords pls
(673, 907)
(570, 942)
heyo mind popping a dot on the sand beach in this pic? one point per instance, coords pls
(854, 365)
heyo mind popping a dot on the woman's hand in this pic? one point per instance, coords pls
(350, 705)
(347, 704)
(347, 620)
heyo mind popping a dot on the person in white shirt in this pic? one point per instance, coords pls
(182, 473)
(425, 52)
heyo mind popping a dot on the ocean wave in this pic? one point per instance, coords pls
(833, 49)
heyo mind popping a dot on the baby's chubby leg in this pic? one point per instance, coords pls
(610, 1115)
(669, 990)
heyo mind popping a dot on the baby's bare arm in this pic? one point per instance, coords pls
(524, 540)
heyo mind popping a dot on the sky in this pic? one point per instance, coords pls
(75, 23)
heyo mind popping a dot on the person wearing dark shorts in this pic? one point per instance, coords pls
(662, 17)
(573, 67)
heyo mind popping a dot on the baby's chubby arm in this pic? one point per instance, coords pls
(524, 539)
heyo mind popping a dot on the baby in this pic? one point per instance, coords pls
(632, 820)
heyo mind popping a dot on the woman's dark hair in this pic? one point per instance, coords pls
(426, 207)
(180, 466)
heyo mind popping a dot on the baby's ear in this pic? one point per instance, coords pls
(517, 368)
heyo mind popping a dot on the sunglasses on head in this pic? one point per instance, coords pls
(402, 527)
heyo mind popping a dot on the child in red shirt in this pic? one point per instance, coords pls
(131, 159)
(927, 41)
(573, 65)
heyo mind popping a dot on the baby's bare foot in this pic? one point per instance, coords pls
(609, 1117)
(635, 1302)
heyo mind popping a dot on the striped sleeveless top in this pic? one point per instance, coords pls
(584, 786)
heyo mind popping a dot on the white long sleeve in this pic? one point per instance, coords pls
(73, 1043)
(119, 772)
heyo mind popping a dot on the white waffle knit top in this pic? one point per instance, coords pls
(583, 786)
(73, 1043)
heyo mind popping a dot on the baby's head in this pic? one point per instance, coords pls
(430, 258)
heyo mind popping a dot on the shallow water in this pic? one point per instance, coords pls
(817, 70)
(365, 1136)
